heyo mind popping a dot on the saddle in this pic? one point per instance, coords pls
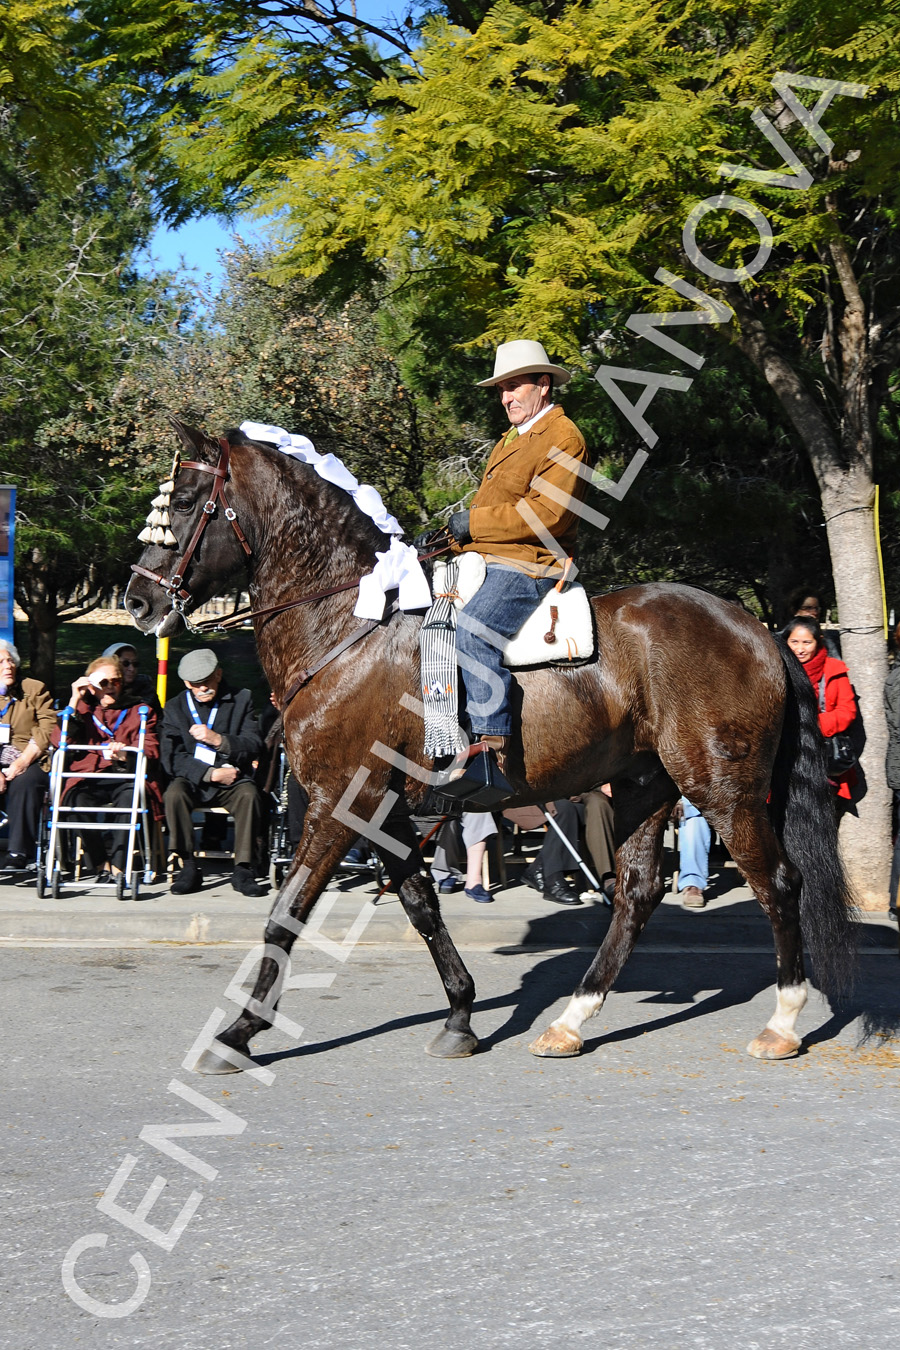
(560, 631)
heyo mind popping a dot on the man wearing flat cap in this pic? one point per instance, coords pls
(521, 521)
(209, 741)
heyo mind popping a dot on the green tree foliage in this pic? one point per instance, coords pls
(529, 168)
(74, 316)
(278, 353)
(48, 105)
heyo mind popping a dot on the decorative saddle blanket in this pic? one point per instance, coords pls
(561, 629)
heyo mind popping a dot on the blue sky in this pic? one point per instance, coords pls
(195, 247)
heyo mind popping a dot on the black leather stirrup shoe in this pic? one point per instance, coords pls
(482, 781)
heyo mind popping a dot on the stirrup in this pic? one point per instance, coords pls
(481, 783)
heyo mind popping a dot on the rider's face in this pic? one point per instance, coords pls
(523, 397)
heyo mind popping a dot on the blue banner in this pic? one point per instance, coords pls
(7, 554)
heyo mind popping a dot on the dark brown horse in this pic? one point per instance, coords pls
(689, 695)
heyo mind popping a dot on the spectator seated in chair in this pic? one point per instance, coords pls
(136, 688)
(210, 740)
(108, 726)
(547, 873)
(27, 724)
(461, 846)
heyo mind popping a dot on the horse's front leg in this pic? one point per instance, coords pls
(455, 1040)
(323, 844)
(639, 889)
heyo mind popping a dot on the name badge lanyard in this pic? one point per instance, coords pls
(103, 729)
(205, 753)
(196, 716)
(6, 728)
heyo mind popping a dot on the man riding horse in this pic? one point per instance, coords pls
(521, 521)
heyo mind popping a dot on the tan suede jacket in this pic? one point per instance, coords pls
(31, 717)
(498, 529)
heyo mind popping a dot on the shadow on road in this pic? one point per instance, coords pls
(705, 951)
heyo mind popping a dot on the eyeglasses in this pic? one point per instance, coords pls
(128, 663)
(105, 684)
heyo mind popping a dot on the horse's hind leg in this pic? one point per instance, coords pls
(639, 889)
(776, 884)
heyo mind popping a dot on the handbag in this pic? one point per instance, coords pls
(841, 756)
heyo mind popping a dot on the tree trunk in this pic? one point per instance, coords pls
(842, 462)
(42, 648)
(38, 599)
(849, 514)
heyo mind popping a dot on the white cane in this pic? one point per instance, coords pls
(574, 852)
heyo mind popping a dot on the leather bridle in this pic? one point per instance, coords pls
(174, 586)
(177, 591)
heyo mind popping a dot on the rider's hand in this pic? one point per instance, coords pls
(459, 527)
(431, 539)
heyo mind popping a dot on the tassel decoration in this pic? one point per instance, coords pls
(158, 528)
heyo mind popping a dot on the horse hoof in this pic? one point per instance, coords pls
(557, 1043)
(770, 1045)
(210, 1063)
(452, 1044)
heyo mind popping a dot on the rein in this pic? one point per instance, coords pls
(240, 616)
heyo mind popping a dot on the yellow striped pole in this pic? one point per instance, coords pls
(162, 669)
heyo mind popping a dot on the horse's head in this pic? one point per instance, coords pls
(193, 541)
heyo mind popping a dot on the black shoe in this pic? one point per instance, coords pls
(189, 879)
(561, 891)
(533, 876)
(13, 862)
(244, 882)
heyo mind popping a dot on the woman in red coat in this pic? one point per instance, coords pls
(831, 684)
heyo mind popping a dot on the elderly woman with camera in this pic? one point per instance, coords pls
(108, 726)
(27, 722)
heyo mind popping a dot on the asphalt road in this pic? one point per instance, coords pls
(664, 1190)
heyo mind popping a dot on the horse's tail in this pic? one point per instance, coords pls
(802, 812)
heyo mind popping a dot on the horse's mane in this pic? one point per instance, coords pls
(317, 510)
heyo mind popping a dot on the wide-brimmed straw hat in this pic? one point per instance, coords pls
(524, 357)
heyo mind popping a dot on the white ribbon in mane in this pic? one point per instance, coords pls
(398, 568)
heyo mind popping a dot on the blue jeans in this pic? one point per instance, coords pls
(694, 838)
(494, 613)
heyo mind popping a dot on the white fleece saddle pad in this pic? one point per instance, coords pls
(560, 629)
